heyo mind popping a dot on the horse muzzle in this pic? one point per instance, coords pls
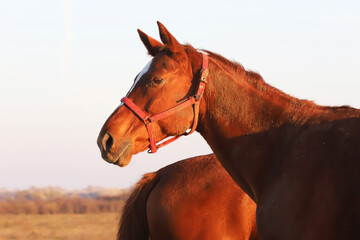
(118, 154)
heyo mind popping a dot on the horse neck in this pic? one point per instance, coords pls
(237, 113)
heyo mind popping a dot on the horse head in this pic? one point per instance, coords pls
(163, 101)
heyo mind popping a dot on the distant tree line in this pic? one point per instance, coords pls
(63, 205)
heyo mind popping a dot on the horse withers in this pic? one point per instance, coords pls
(297, 160)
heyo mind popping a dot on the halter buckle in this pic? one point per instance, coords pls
(203, 75)
(147, 120)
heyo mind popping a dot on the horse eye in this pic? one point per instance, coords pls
(158, 81)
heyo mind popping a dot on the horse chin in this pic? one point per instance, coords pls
(124, 155)
(123, 161)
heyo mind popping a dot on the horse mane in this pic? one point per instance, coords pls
(251, 76)
(257, 82)
(343, 107)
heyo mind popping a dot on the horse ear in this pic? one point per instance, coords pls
(167, 38)
(152, 45)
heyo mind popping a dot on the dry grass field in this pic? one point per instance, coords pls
(59, 226)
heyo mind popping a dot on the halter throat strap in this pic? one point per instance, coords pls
(191, 101)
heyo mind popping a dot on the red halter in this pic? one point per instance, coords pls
(193, 100)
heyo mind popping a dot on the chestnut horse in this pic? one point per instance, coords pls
(299, 162)
(191, 199)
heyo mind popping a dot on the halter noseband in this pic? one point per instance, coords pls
(193, 100)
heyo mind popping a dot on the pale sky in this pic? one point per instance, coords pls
(65, 65)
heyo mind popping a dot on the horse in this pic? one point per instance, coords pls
(190, 199)
(297, 160)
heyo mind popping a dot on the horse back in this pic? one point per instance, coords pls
(197, 199)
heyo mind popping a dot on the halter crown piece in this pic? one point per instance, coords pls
(193, 100)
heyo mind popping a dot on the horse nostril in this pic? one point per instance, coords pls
(107, 142)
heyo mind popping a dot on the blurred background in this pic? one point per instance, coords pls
(65, 65)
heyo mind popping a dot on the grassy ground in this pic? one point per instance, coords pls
(59, 226)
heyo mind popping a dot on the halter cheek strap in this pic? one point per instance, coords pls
(193, 100)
